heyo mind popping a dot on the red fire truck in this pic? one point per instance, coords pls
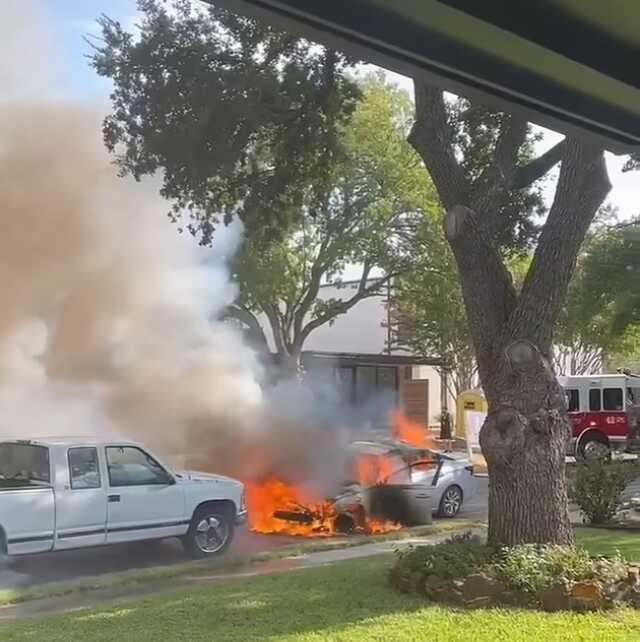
(597, 410)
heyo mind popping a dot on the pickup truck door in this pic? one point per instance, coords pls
(81, 500)
(143, 500)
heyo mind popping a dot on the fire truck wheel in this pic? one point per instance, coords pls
(594, 446)
(210, 532)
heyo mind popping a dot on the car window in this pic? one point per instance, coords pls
(573, 400)
(613, 399)
(595, 403)
(84, 471)
(131, 466)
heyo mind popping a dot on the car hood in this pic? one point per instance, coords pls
(198, 477)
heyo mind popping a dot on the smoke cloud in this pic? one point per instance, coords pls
(106, 312)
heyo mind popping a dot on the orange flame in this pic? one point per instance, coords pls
(277, 507)
(373, 469)
(265, 500)
(410, 432)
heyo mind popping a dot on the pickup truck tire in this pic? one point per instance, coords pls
(210, 532)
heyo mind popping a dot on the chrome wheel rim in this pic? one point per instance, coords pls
(595, 450)
(212, 534)
(451, 502)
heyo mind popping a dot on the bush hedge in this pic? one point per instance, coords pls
(464, 570)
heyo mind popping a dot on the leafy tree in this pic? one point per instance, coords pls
(428, 311)
(378, 196)
(525, 435)
(603, 303)
(239, 118)
(612, 276)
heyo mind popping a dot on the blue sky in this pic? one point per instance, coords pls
(72, 20)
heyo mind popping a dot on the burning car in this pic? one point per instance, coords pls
(389, 484)
(405, 484)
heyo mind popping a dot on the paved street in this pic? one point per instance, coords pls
(70, 565)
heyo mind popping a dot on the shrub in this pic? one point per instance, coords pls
(454, 558)
(533, 567)
(598, 488)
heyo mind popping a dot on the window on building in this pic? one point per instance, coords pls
(613, 399)
(365, 382)
(573, 400)
(595, 401)
(386, 378)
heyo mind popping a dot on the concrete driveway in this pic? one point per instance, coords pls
(70, 565)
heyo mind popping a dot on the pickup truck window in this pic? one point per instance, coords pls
(23, 465)
(84, 471)
(130, 466)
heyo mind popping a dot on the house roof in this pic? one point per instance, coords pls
(567, 64)
(361, 359)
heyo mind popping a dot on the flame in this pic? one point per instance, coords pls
(278, 507)
(373, 469)
(410, 432)
(266, 499)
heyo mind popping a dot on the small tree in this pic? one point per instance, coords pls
(377, 197)
(598, 318)
(428, 310)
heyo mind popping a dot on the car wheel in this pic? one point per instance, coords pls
(593, 447)
(210, 532)
(450, 502)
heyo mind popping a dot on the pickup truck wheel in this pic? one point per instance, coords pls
(210, 532)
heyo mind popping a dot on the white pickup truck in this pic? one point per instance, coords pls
(59, 494)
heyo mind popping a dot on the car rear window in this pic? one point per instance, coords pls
(24, 465)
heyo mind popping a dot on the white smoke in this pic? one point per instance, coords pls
(106, 311)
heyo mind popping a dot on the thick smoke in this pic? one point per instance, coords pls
(106, 323)
(106, 310)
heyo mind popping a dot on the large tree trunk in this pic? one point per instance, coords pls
(524, 438)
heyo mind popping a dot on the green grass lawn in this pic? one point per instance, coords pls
(601, 541)
(346, 602)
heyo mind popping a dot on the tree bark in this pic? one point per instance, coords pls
(524, 437)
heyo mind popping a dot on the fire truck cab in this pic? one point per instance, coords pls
(597, 410)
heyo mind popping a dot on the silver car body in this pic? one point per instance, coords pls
(429, 479)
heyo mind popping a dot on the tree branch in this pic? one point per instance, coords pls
(493, 183)
(582, 187)
(251, 323)
(483, 277)
(432, 137)
(341, 307)
(537, 168)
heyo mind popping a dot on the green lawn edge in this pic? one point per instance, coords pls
(229, 563)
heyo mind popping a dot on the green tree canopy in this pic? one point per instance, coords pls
(378, 197)
(239, 118)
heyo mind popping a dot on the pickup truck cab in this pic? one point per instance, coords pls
(65, 493)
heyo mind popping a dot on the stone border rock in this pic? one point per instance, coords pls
(483, 589)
